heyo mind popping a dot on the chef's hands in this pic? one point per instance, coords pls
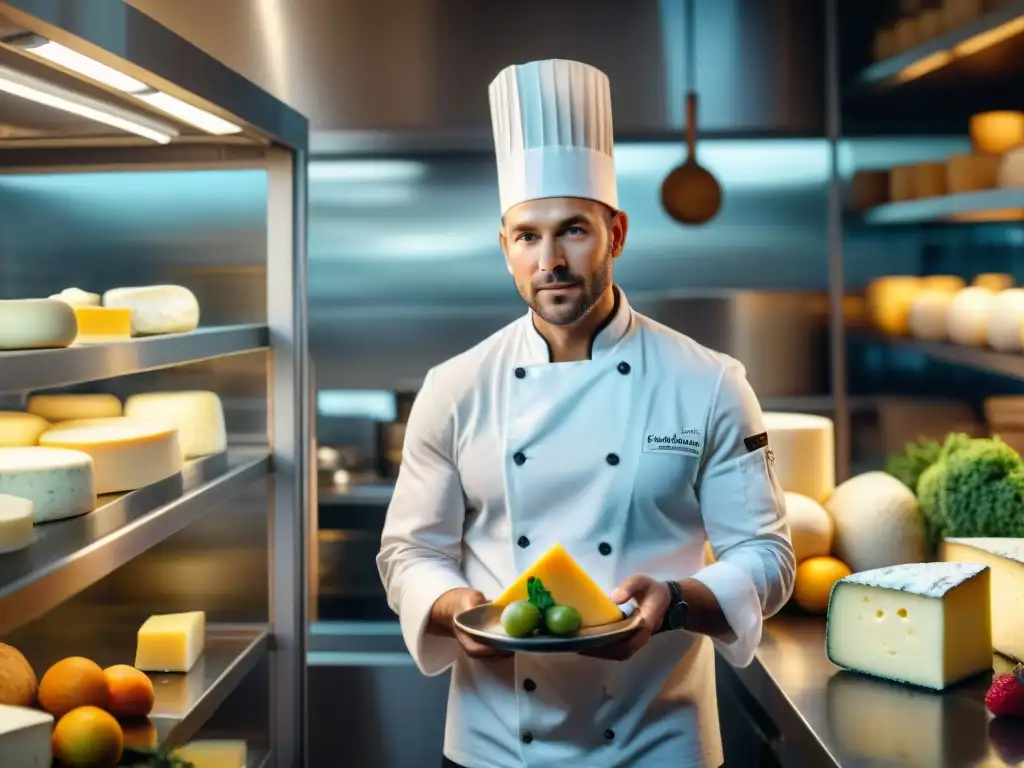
(442, 620)
(652, 598)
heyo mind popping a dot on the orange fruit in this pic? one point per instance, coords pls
(18, 682)
(71, 683)
(130, 692)
(814, 579)
(88, 737)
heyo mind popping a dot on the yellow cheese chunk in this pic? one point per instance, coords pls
(57, 408)
(568, 584)
(211, 753)
(171, 642)
(21, 430)
(97, 325)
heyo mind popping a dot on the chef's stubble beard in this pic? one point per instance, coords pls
(591, 293)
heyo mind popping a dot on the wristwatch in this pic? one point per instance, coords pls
(678, 610)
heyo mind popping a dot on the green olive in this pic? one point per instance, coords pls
(562, 620)
(520, 618)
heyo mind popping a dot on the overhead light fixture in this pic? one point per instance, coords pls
(42, 92)
(80, 64)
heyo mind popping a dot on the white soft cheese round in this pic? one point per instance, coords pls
(810, 527)
(37, 324)
(157, 308)
(877, 522)
(1006, 321)
(928, 313)
(58, 482)
(968, 316)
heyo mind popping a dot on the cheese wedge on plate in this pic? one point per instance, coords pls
(69, 407)
(925, 624)
(568, 584)
(1005, 558)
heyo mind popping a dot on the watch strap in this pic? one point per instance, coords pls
(675, 598)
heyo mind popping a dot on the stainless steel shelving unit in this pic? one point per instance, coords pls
(991, 205)
(978, 358)
(70, 556)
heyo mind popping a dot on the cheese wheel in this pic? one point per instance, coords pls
(928, 315)
(157, 308)
(58, 482)
(126, 454)
(36, 324)
(968, 315)
(98, 325)
(810, 527)
(901, 183)
(804, 449)
(930, 179)
(888, 302)
(198, 417)
(1011, 169)
(20, 430)
(994, 281)
(971, 173)
(1006, 321)
(76, 297)
(996, 133)
(69, 407)
(877, 522)
(15, 523)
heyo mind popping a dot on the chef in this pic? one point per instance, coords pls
(587, 424)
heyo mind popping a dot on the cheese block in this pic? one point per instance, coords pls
(1005, 559)
(889, 300)
(58, 482)
(25, 737)
(926, 624)
(877, 522)
(19, 430)
(927, 318)
(58, 408)
(994, 281)
(76, 297)
(1006, 321)
(198, 417)
(997, 132)
(157, 308)
(214, 753)
(810, 527)
(126, 454)
(971, 173)
(171, 642)
(568, 584)
(16, 523)
(804, 450)
(901, 183)
(968, 315)
(1011, 169)
(36, 324)
(930, 179)
(97, 325)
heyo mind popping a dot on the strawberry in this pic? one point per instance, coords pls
(1005, 697)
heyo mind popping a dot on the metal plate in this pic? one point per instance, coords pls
(483, 623)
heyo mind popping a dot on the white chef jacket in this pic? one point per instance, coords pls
(631, 460)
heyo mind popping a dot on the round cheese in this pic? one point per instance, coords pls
(97, 325)
(804, 449)
(198, 417)
(20, 430)
(157, 308)
(888, 301)
(15, 523)
(901, 183)
(810, 527)
(58, 482)
(970, 173)
(126, 454)
(1011, 169)
(1006, 321)
(76, 297)
(36, 324)
(994, 281)
(930, 179)
(877, 522)
(995, 133)
(57, 408)
(927, 319)
(968, 316)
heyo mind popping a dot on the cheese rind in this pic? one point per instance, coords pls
(99, 325)
(36, 324)
(1005, 559)
(804, 450)
(198, 417)
(20, 430)
(214, 753)
(58, 482)
(25, 737)
(69, 407)
(568, 584)
(171, 642)
(925, 624)
(157, 309)
(15, 523)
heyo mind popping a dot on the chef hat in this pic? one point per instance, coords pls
(553, 132)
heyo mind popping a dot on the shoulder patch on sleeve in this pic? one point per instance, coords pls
(756, 441)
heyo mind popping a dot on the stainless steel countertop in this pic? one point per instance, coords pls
(826, 716)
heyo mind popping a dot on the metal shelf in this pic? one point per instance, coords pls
(70, 555)
(971, 357)
(46, 368)
(939, 52)
(969, 208)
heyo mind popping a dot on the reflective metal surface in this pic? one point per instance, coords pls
(989, 205)
(978, 358)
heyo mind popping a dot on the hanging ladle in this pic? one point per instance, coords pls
(690, 194)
